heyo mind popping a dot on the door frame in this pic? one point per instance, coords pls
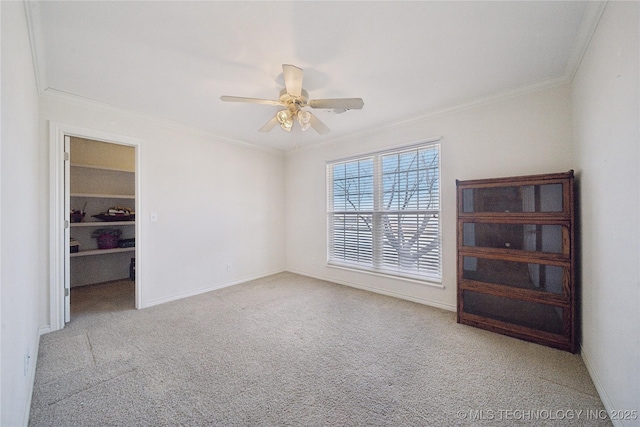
(57, 214)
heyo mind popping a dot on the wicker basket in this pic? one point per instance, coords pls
(107, 241)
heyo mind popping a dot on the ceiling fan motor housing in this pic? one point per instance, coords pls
(294, 103)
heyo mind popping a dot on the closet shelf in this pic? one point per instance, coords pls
(106, 168)
(104, 196)
(101, 252)
(101, 223)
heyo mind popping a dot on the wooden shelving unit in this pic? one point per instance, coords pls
(98, 188)
(517, 257)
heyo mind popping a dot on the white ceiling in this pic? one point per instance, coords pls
(173, 60)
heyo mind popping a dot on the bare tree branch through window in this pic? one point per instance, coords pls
(384, 211)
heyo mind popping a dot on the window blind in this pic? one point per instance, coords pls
(383, 212)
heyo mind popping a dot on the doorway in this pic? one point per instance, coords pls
(102, 220)
(95, 198)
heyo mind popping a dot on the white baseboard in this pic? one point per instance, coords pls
(606, 401)
(176, 297)
(32, 377)
(423, 301)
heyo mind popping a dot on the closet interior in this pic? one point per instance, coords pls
(102, 218)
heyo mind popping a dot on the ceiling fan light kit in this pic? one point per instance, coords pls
(304, 118)
(294, 98)
(285, 117)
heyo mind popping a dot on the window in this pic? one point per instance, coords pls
(384, 212)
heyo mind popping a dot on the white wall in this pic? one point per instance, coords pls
(607, 136)
(21, 213)
(218, 203)
(521, 135)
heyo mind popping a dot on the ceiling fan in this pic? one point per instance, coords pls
(294, 98)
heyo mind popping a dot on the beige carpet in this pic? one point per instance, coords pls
(289, 350)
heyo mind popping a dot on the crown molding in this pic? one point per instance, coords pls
(474, 103)
(34, 28)
(453, 109)
(590, 19)
(94, 104)
(589, 23)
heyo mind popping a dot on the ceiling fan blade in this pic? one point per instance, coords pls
(292, 79)
(250, 100)
(318, 126)
(337, 104)
(269, 125)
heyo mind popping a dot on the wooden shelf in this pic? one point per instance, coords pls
(101, 252)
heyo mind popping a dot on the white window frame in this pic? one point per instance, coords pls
(375, 265)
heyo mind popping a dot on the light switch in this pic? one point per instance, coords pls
(154, 216)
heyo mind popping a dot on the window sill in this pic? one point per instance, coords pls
(413, 279)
